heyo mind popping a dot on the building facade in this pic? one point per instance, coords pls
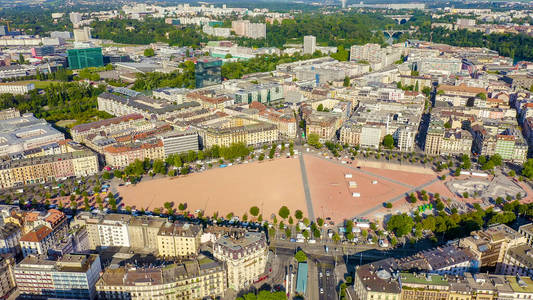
(245, 258)
(73, 276)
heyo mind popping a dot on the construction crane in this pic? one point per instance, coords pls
(7, 23)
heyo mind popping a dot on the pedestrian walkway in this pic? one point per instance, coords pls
(310, 211)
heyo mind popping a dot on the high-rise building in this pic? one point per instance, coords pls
(82, 34)
(73, 276)
(247, 29)
(75, 18)
(84, 58)
(309, 44)
(208, 71)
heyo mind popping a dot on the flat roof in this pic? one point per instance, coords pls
(301, 281)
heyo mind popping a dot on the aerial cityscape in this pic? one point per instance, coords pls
(266, 150)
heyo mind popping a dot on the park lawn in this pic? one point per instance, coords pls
(40, 84)
(66, 123)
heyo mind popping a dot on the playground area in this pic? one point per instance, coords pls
(486, 188)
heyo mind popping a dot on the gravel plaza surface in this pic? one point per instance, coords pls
(267, 185)
(273, 183)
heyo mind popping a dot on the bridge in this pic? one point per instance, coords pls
(390, 33)
(401, 19)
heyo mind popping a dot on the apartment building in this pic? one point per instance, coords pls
(511, 146)
(247, 29)
(374, 55)
(325, 125)
(16, 89)
(122, 155)
(201, 278)
(176, 95)
(490, 246)
(424, 286)
(374, 282)
(7, 278)
(37, 241)
(23, 133)
(517, 260)
(245, 257)
(9, 113)
(456, 142)
(46, 168)
(114, 126)
(527, 231)
(146, 106)
(88, 221)
(309, 44)
(10, 235)
(178, 239)
(54, 219)
(285, 121)
(73, 276)
(113, 230)
(238, 129)
(350, 133)
(142, 232)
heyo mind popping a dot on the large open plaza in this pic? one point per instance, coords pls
(338, 190)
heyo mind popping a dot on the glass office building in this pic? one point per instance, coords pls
(208, 71)
(84, 58)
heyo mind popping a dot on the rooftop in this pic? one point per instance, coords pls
(105, 123)
(428, 279)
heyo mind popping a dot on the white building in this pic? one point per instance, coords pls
(370, 137)
(37, 241)
(309, 44)
(16, 89)
(113, 230)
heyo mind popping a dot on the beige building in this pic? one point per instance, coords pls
(245, 257)
(47, 168)
(238, 130)
(201, 278)
(143, 232)
(37, 241)
(456, 142)
(424, 286)
(323, 124)
(178, 239)
(350, 134)
(527, 231)
(517, 260)
(373, 283)
(120, 156)
(490, 246)
(117, 125)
